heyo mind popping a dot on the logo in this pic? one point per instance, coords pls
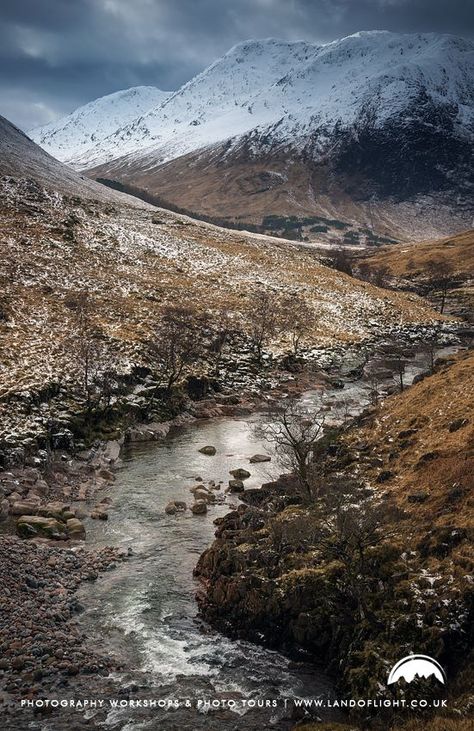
(416, 666)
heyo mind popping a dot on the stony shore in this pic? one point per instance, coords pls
(42, 645)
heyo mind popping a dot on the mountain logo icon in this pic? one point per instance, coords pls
(416, 666)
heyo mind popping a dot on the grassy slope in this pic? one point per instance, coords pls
(410, 261)
(437, 456)
(133, 262)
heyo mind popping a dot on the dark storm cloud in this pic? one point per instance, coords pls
(58, 54)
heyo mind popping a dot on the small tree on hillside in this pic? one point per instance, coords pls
(396, 359)
(380, 276)
(296, 319)
(441, 279)
(178, 342)
(265, 319)
(92, 356)
(341, 259)
(224, 328)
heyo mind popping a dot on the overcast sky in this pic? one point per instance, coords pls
(58, 54)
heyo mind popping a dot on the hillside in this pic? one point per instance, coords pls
(20, 157)
(375, 129)
(428, 267)
(60, 248)
(410, 261)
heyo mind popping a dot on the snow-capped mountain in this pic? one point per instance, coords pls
(89, 125)
(374, 116)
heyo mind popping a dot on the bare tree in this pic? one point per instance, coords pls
(93, 357)
(224, 329)
(341, 260)
(441, 279)
(295, 319)
(265, 317)
(430, 348)
(294, 432)
(379, 275)
(396, 359)
(178, 341)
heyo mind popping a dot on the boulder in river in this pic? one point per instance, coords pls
(29, 526)
(199, 507)
(259, 458)
(240, 474)
(209, 450)
(175, 506)
(76, 529)
(100, 513)
(203, 494)
(236, 486)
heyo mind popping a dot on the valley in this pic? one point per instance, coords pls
(237, 395)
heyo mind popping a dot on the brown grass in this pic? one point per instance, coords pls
(434, 460)
(410, 260)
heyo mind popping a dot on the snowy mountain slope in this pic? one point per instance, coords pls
(296, 128)
(95, 121)
(20, 157)
(289, 90)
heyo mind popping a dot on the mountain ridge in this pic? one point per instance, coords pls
(373, 115)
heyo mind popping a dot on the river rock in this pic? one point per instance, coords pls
(259, 458)
(24, 507)
(112, 451)
(209, 450)
(240, 474)
(4, 509)
(199, 507)
(54, 510)
(14, 496)
(236, 486)
(106, 474)
(76, 529)
(29, 526)
(100, 512)
(175, 506)
(203, 494)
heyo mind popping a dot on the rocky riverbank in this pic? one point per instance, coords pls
(333, 578)
(71, 485)
(42, 646)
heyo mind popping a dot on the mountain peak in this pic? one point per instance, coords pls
(96, 120)
(343, 109)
